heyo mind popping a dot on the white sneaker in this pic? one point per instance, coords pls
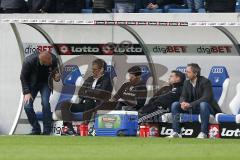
(202, 135)
(175, 135)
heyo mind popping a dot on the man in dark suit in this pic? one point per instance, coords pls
(34, 77)
(197, 98)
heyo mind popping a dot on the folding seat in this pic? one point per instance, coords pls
(176, 10)
(235, 109)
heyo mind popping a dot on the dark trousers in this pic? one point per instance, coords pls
(47, 115)
(204, 109)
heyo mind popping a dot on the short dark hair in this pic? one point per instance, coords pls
(100, 63)
(180, 75)
(195, 68)
(135, 70)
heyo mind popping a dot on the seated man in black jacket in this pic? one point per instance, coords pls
(95, 89)
(197, 98)
(132, 95)
(163, 99)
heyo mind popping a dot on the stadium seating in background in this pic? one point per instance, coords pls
(87, 10)
(176, 10)
(150, 10)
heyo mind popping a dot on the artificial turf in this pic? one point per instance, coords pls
(118, 148)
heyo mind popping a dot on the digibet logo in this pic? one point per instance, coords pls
(31, 49)
(169, 49)
(167, 131)
(230, 133)
(214, 49)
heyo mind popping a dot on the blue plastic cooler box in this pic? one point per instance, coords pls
(116, 123)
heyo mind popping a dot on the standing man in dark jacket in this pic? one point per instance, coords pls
(197, 98)
(34, 78)
(102, 6)
(163, 99)
(69, 6)
(13, 6)
(132, 95)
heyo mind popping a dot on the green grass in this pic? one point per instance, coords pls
(121, 148)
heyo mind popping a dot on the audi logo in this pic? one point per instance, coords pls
(217, 70)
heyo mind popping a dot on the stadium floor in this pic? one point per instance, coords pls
(119, 148)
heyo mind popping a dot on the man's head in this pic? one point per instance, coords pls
(45, 58)
(135, 73)
(193, 71)
(98, 67)
(176, 77)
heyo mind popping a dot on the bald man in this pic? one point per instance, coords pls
(35, 73)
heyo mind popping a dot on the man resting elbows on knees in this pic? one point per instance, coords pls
(197, 98)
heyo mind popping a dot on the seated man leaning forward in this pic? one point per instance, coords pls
(161, 102)
(132, 94)
(197, 98)
(95, 89)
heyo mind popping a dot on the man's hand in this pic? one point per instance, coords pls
(185, 106)
(27, 98)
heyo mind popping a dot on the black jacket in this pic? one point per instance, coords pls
(172, 95)
(166, 2)
(203, 93)
(132, 95)
(220, 5)
(33, 72)
(101, 92)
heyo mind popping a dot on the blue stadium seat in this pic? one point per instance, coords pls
(111, 71)
(146, 73)
(220, 82)
(173, 10)
(70, 75)
(86, 10)
(201, 10)
(227, 118)
(181, 69)
(150, 10)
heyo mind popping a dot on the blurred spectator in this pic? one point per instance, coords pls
(13, 6)
(102, 6)
(195, 5)
(125, 6)
(165, 4)
(39, 6)
(220, 5)
(69, 6)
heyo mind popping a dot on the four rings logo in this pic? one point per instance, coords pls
(217, 70)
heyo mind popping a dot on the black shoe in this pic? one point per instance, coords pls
(34, 133)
